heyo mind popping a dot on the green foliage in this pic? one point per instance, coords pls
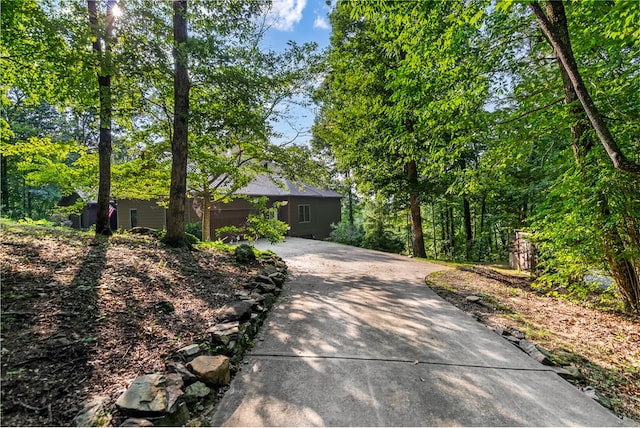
(216, 245)
(344, 233)
(377, 227)
(194, 229)
(191, 240)
(261, 224)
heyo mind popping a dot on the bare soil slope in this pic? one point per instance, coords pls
(84, 317)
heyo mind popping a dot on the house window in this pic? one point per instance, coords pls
(304, 215)
(133, 217)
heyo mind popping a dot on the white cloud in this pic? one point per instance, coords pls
(321, 22)
(286, 13)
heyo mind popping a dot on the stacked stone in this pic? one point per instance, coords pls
(194, 373)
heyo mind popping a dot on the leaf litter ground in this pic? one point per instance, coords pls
(83, 317)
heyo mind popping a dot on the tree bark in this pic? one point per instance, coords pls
(483, 239)
(452, 232)
(620, 263)
(468, 235)
(562, 47)
(417, 236)
(433, 225)
(4, 186)
(103, 226)
(206, 216)
(179, 143)
(350, 206)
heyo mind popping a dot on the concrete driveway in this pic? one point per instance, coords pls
(357, 339)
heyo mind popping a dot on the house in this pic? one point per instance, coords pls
(307, 210)
(87, 217)
(138, 212)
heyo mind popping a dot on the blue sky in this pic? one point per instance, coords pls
(301, 21)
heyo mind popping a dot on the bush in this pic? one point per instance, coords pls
(344, 233)
(194, 229)
(383, 241)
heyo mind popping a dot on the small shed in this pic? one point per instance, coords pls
(521, 252)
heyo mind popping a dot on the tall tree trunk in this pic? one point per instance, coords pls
(554, 26)
(350, 198)
(206, 216)
(483, 240)
(179, 143)
(433, 225)
(29, 200)
(468, 235)
(102, 48)
(620, 263)
(452, 232)
(417, 236)
(4, 186)
(350, 206)
(444, 227)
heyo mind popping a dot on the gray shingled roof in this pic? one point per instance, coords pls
(266, 186)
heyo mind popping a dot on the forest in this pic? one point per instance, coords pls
(447, 126)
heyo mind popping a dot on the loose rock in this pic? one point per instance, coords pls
(238, 311)
(176, 419)
(278, 278)
(196, 391)
(534, 352)
(213, 369)
(225, 332)
(569, 373)
(174, 391)
(263, 279)
(474, 299)
(147, 396)
(190, 350)
(93, 414)
(267, 288)
(594, 394)
(187, 376)
(137, 422)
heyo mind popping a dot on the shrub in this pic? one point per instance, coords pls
(194, 229)
(345, 233)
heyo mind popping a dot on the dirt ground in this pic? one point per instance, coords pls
(605, 346)
(84, 317)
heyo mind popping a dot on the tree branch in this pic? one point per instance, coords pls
(520, 116)
(565, 55)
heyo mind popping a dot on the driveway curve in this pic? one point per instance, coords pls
(358, 339)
